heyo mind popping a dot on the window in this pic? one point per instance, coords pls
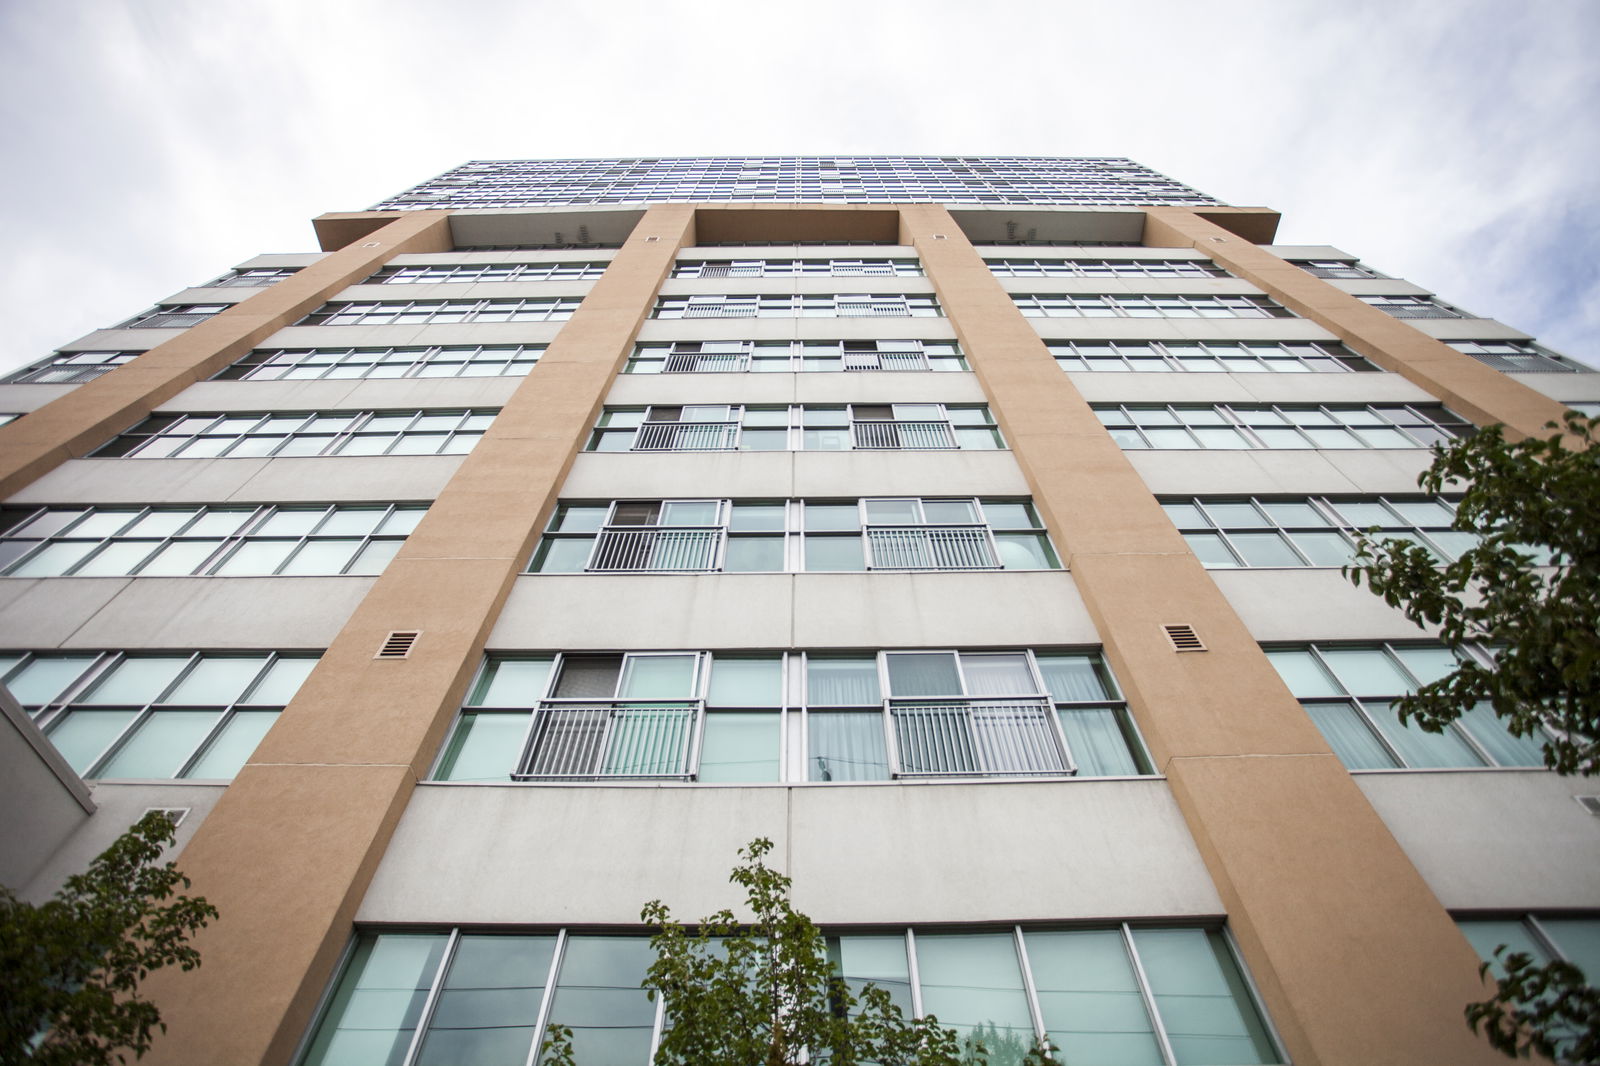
(1546, 937)
(787, 268)
(840, 427)
(1211, 357)
(1310, 530)
(252, 277)
(155, 715)
(434, 312)
(1105, 268)
(1519, 357)
(235, 435)
(290, 540)
(1111, 992)
(785, 357)
(826, 717)
(479, 272)
(699, 536)
(1040, 305)
(70, 368)
(171, 316)
(1349, 689)
(450, 361)
(791, 305)
(1413, 307)
(1136, 426)
(1335, 268)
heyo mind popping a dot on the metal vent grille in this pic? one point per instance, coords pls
(1183, 638)
(1589, 803)
(398, 645)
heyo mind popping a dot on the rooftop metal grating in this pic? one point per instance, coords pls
(1013, 180)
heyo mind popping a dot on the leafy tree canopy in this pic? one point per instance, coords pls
(764, 993)
(1529, 590)
(70, 968)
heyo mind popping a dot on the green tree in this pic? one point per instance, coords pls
(1529, 590)
(70, 968)
(764, 993)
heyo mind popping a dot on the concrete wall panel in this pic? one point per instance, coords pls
(1310, 604)
(1025, 851)
(1503, 839)
(217, 612)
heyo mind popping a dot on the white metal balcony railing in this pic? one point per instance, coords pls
(1417, 311)
(885, 361)
(887, 434)
(980, 737)
(611, 739)
(686, 437)
(653, 548)
(930, 548)
(705, 363)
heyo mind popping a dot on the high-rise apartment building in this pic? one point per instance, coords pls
(970, 527)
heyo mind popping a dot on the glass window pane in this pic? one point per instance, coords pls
(746, 682)
(81, 736)
(137, 680)
(1324, 549)
(351, 521)
(598, 996)
(320, 557)
(1428, 663)
(1089, 996)
(1265, 549)
(658, 677)
(1487, 934)
(753, 555)
(1201, 998)
(923, 674)
(54, 559)
(879, 960)
(217, 680)
(117, 559)
(1236, 515)
(973, 984)
(562, 555)
(1303, 674)
(373, 558)
(484, 747)
(757, 517)
(842, 682)
(1294, 514)
(256, 557)
(1350, 737)
(1490, 731)
(1025, 551)
(226, 755)
(489, 1001)
(161, 745)
(1418, 747)
(512, 683)
(283, 680)
(1578, 939)
(1366, 671)
(180, 558)
(846, 746)
(832, 516)
(44, 679)
(834, 553)
(1210, 549)
(378, 1002)
(997, 674)
(740, 746)
(1097, 739)
(1073, 677)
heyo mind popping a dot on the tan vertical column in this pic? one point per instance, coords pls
(289, 850)
(1357, 961)
(92, 413)
(1467, 386)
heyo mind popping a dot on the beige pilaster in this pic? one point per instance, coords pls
(1465, 385)
(1358, 963)
(289, 850)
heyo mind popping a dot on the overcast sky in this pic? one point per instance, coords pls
(154, 144)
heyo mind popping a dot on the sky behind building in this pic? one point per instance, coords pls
(152, 145)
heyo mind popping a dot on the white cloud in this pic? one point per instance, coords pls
(153, 144)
